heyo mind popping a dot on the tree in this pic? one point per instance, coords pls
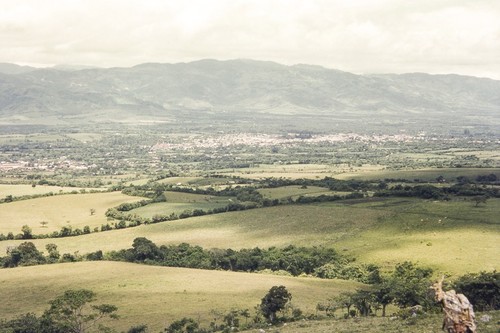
(410, 285)
(26, 254)
(185, 325)
(231, 318)
(27, 232)
(329, 307)
(383, 295)
(92, 211)
(344, 300)
(72, 313)
(274, 301)
(362, 300)
(482, 290)
(53, 252)
(26, 323)
(145, 249)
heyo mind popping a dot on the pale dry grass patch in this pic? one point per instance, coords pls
(22, 189)
(59, 211)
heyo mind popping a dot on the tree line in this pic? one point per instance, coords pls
(315, 261)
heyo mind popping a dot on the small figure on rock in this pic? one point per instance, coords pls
(458, 313)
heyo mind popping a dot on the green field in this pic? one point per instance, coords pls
(450, 236)
(421, 174)
(178, 202)
(59, 211)
(155, 295)
(297, 171)
(294, 192)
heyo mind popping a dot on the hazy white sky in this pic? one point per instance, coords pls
(361, 36)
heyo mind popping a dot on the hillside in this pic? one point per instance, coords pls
(451, 237)
(242, 90)
(155, 295)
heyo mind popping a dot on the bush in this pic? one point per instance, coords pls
(482, 290)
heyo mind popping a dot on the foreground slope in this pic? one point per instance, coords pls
(154, 295)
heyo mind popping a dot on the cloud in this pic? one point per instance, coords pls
(363, 36)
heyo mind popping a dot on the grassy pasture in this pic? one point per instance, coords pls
(177, 202)
(20, 189)
(275, 226)
(295, 191)
(155, 295)
(297, 171)
(178, 180)
(199, 181)
(452, 237)
(422, 174)
(61, 210)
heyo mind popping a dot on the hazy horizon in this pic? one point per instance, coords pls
(363, 37)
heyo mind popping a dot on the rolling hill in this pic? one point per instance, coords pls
(155, 295)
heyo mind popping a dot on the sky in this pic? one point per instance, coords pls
(359, 36)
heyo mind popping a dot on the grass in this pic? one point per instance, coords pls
(422, 174)
(178, 180)
(20, 190)
(293, 192)
(297, 171)
(155, 295)
(384, 231)
(429, 323)
(61, 210)
(178, 202)
(275, 226)
(451, 236)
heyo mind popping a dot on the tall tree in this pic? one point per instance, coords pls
(72, 312)
(410, 285)
(383, 295)
(274, 301)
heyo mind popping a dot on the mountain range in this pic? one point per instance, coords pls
(166, 92)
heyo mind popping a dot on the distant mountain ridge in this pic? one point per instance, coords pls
(165, 90)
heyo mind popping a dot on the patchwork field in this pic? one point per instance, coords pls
(450, 236)
(297, 171)
(421, 174)
(155, 295)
